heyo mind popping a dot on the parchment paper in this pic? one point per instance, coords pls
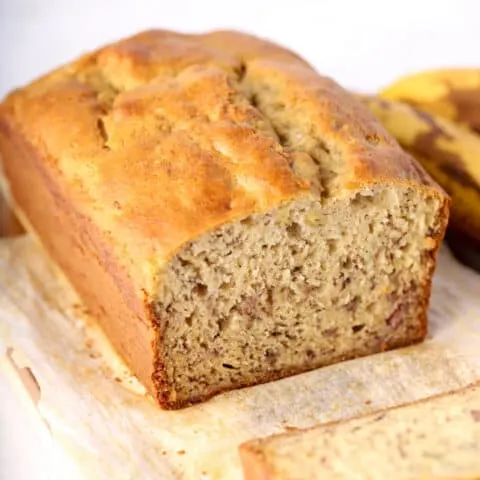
(101, 416)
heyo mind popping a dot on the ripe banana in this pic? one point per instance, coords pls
(450, 153)
(453, 94)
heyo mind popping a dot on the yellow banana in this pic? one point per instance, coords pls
(450, 153)
(453, 94)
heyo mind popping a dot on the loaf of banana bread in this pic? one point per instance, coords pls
(229, 215)
(434, 439)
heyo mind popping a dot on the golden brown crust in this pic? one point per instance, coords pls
(185, 145)
(146, 144)
(368, 150)
(9, 224)
(156, 123)
(75, 243)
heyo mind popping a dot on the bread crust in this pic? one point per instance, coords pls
(139, 147)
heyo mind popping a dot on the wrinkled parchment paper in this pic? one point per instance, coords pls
(101, 416)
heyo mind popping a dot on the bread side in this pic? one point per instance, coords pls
(438, 438)
(217, 204)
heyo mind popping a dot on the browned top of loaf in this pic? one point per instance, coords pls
(158, 138)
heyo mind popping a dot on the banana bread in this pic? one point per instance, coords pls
(229, 215)
(437, 438)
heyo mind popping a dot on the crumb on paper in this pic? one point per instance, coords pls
(289, 428)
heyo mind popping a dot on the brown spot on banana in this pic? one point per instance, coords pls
(429, 120)
(460, 106)
(452, 164)
(453, 94)
(467, 103)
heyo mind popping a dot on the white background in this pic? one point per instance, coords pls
(364, 44)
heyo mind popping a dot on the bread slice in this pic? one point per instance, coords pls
(229, 215)
(437, 438)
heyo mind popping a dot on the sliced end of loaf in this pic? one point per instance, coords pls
(306, 285)
(437, 438)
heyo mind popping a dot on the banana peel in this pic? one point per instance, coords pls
(448, 152)
(451, 93)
